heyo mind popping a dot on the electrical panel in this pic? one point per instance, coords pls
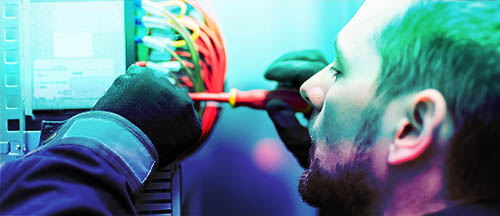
(57, 58)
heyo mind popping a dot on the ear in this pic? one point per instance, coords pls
(416, 132)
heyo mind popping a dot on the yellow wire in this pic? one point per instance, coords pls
(195, 74)
(197, 81)
(190, 25)
(180, 4)
(185, 23)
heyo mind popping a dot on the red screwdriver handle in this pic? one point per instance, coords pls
(256, 99)
(259, 98)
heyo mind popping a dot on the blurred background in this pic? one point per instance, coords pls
(243, 168)
(59, 56)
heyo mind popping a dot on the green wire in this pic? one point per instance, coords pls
(176, 57)
(196, 76)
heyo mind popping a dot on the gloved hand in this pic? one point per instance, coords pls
(291, 70)
(162, 111)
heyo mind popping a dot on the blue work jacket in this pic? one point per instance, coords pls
(96, 163)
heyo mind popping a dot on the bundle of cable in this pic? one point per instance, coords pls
(181, 40)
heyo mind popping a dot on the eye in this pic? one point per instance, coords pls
(334, 71)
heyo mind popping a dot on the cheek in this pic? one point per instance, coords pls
(331, 154)
(336, 126)
(354, 90)
(341, 115)
(345, 101)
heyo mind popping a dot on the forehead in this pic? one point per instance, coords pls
(374, 15)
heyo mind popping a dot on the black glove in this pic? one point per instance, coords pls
(162, 111)
(291, 70)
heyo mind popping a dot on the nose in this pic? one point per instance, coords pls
(314, 90)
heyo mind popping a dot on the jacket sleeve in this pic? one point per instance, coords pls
(94, 164)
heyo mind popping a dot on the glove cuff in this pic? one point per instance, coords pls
(114, 138)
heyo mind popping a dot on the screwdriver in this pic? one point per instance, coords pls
(257, 98)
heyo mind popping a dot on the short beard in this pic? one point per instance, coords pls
(351, 188)
(345, 192)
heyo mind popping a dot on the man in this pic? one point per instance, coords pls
(390, 135)
(417, 84)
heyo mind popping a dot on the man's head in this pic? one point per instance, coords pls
(417, 90)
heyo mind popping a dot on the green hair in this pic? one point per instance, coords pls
(453, 47)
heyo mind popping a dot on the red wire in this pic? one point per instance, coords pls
(211, 48)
